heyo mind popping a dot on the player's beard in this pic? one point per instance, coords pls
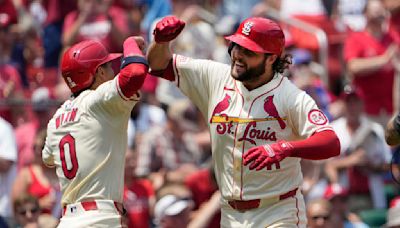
(250, 73)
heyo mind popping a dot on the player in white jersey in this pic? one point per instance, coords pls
(261, 125)
(87, 137)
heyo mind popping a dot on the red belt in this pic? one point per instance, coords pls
(92, 205)
(243, 205)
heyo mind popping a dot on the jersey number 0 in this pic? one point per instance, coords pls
(70, 141)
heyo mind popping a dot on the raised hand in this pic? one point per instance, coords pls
(267, 155)
(168, 29)
(134, 45)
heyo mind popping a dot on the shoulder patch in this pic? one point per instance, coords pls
(317, 117)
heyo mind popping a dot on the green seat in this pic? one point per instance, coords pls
(373, 217)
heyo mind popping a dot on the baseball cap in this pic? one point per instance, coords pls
(169, 205)
(335, 190)
(350, 91)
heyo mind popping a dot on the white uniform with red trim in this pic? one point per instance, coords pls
(86, 141)
(239, 120)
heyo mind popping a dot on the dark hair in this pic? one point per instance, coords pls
(278, 66)
(24, 199)
(282, 63)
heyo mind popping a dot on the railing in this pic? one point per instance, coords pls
(319, 34)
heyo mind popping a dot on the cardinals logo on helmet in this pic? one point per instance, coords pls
(247, 28)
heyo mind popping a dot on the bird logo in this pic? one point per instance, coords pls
(270, 109)
(221, 106)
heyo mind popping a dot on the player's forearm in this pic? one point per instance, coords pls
(331, 172)
(117, 35)
(363, 65)
(159, 55)
(206, 212)
(392, 135)
(134, 67)
(321, 145)
(69, 36)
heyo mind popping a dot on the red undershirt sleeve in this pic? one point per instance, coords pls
(321, 145)
(131, 78)
(167, 73)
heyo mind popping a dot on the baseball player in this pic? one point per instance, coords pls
(87, 137)
(261, 125)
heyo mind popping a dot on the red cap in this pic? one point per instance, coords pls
(334, 190)
(395, 202)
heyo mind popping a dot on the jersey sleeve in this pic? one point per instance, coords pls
(198, 78)
(305, 116)
(109, 99)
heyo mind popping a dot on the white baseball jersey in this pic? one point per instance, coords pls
(86, 141)
(240, 119)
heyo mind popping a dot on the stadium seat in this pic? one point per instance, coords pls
(374, 217)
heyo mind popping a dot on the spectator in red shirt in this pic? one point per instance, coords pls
(39, 181)
(43, 109)
(394, 24)
(139, 197)
(203, 185)
(369, 55)
(96, 19)
(8, 12)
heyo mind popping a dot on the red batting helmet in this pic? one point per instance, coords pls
(80, 62)
(259, 35)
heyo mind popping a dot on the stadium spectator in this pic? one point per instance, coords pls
(8, 168)
(203, 186)
(319, 213)
(28, 213)
(171, 147)
(369, 55)
(364, 155)
(98, 20)
(139, 196)
(341, 215)
(43, 109)
(39, 181)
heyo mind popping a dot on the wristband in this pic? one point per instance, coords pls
(396, 123)
(133, 59)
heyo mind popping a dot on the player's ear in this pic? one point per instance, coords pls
(270, 58)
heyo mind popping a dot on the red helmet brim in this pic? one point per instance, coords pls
(111, 57)
(245, 42)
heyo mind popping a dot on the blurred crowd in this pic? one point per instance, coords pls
(169, 179)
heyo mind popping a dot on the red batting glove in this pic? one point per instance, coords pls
(132, 46)
(168, 29)
(267, 155)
